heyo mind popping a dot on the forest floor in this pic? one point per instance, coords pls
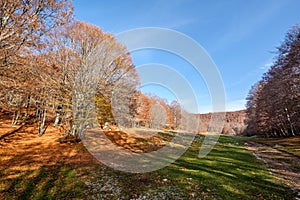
(34, 167)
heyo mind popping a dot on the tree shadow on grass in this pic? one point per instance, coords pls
(48, 182)
(227, 172)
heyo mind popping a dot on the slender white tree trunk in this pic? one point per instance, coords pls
(57, 120)
(16, 117)
(42, 125)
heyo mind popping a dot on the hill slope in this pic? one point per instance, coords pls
(234, 124)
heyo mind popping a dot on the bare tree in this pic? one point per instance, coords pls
(91, 64)
(176, 113)
(158, 116)
(273, 106)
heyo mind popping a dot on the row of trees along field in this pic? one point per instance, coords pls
(273, 106)
(154, 112)
(56, 70)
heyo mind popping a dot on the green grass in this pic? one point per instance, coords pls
(55, 182)
(230, 171)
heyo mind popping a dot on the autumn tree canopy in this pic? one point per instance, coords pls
(24, 24)
(54, 69)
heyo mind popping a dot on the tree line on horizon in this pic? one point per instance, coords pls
(273, 103)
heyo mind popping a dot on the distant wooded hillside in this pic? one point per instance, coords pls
(234, 123)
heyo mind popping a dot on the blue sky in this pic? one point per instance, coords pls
(239, 35)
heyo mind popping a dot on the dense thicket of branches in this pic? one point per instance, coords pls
(24, 29)
(153, 112)
(273, 106)
(24, 24)
(54, 69)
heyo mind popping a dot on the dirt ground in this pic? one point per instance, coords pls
(283, 165)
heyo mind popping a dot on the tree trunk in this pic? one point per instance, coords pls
(57, 120)
(42, 128)
(27, 108)
(67, 131)
(290, 123)
(16, 117)
(13, 118)
(73, 131)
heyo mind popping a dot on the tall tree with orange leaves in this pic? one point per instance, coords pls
(91, 64)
